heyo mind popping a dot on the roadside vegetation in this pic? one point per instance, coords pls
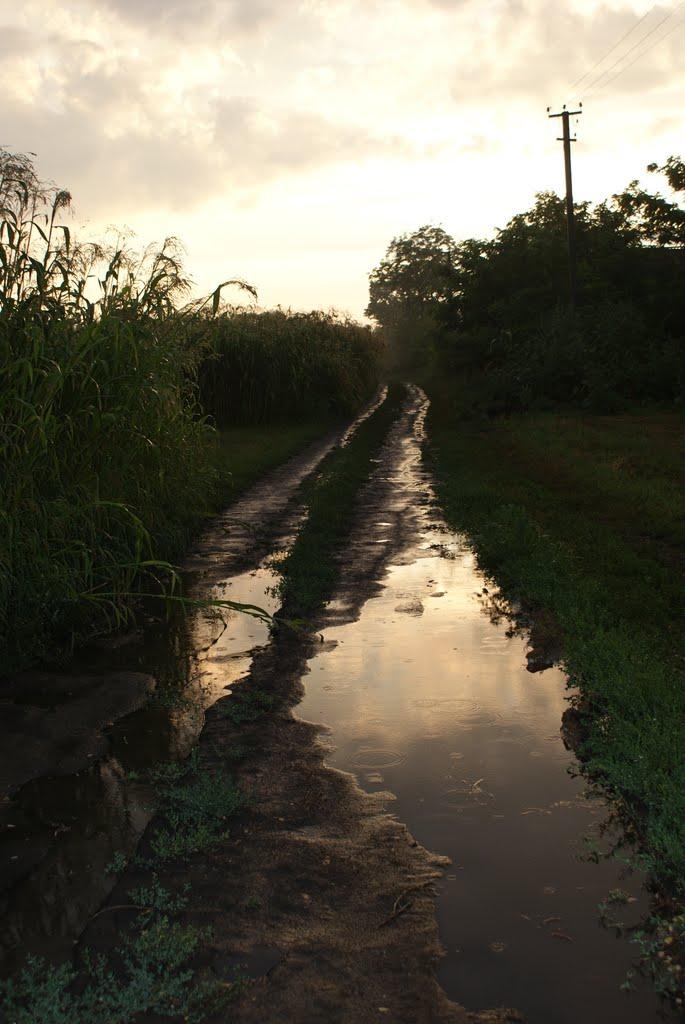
(493, 313)
(154, 967)
(557, 441)
(110, 385)
(275, 365)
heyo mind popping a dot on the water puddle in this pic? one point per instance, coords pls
(430, 700)
(60, 832)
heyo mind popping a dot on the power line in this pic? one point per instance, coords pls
(640, 55)
(611, 49)
(594, 84)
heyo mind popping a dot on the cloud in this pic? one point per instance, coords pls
(530, 48)
(376, 112)
(105, 137)
(200, 18)
(260, 143)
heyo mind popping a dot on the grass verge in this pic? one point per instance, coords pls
(243, 454)
(582, 516)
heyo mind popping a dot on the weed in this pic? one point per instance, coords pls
(618, 896)
(246, 706)
(196, 814)
(237, 752)
(166, 773)
(662, 954)
(155, 898)
(117, 864)
(151, 972)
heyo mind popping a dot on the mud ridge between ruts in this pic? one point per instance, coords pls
(326, 899)
(59, 726)
(268, 513)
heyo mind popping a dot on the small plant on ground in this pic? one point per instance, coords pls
(117, 864)
(154, 898)
(662, 955)
(167, 773)
(150, 972)
(196, 815)
(247, 706)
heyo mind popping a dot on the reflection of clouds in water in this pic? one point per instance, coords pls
(422, 698)
(415, 682)
(369, 757)
(226, 638)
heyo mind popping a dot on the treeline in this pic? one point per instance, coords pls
(495, 312)
(110, 384)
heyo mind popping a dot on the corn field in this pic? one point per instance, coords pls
(107, 456)
(261, 366)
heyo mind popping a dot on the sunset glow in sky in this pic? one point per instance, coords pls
(287, 142)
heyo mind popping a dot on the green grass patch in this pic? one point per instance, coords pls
(247, 706)
(195, 807)
(244, 454)
(309, 571)
(583, 515)
(150, 972)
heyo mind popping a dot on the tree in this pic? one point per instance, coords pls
(657, 220)
(417, 277)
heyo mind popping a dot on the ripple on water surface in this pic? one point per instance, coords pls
(440, 710)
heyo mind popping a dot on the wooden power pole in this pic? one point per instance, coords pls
(566, 116)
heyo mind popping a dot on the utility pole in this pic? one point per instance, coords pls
(566, 116)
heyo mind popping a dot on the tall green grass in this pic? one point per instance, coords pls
(107, 457)
(265, 365)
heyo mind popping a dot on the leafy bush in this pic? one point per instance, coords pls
(601, 358)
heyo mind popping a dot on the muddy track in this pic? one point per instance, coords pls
(267, 515)
(327, 899)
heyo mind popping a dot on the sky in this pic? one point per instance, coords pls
(286, 142)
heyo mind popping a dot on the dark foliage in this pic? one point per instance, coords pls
(497, 310)
(262, 366)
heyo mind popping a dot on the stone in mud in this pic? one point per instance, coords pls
(54, 723)
(574, 722)
(414, 606)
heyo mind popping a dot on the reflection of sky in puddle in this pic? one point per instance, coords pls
(439, 709)
(225, 639)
